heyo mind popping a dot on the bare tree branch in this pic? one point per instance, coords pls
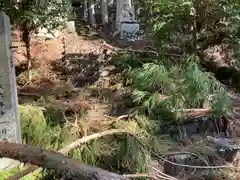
(75, 144)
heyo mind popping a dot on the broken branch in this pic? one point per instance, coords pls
(77, 143)
(123, 50)
(56, 161)
(66, 149)
(196, 112)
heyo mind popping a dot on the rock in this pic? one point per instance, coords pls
(225, 147)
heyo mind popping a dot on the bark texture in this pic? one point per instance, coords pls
(52, 160)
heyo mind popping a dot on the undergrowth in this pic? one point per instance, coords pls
(160, 92)
(120, 153)
(164, 89)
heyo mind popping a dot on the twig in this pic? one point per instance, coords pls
(119, 117)
(148, 176)
(140, 175)
(77, 143)
(193, 172)
(25, 84)
(195, 112)
(163, 177)
(194, 154)
(125, 116)
(66, 149)
(168, 177)
(185, 165)
(186, 152)
(194, 167)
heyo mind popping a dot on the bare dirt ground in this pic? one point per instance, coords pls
(74, 72)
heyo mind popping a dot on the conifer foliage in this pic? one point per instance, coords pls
(157, 87)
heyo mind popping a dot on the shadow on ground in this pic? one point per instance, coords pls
(20, 68)
(80, 69)
(101, 80)
(84, 30)
(58, 100)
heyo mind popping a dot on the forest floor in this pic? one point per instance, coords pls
(72, 74)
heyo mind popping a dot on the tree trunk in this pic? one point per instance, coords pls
(104, 11)
(26, 40)
(85, 11)
(91, 13)
(7, 4)
(194, 38)
(52, 160)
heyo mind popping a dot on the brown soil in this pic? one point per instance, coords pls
(71, 70)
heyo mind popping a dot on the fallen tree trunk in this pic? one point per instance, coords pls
(52, 160)
(66, 150)
(136, 51)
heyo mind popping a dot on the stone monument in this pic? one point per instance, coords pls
(125, 20)
(9, 116)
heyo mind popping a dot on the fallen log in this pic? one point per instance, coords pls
(136, 51)
(53, 160)
(65, 150)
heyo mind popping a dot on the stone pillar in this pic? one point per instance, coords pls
(9, 116)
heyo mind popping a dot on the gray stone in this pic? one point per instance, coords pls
(9, 117)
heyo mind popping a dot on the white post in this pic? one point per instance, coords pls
(9, 116)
